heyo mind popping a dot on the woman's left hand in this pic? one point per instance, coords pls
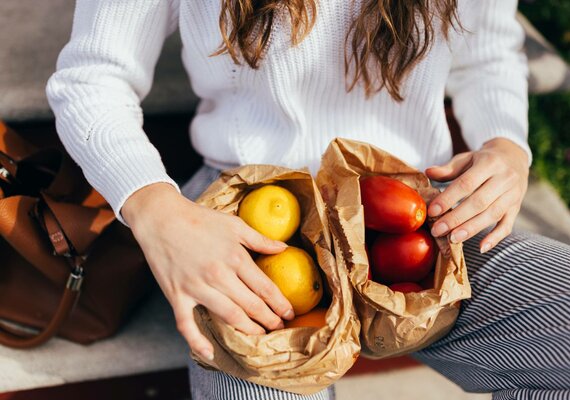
(490, 182)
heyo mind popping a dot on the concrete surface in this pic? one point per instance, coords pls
(544, 212)
(34, 32)
(149, 342)
(416, 383)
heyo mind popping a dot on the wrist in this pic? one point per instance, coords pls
(509, 150)
(143, 203)
(508, 147)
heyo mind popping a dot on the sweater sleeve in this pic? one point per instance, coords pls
(102, 75)
(488, 79)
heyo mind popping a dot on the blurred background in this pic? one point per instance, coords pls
(550, 112)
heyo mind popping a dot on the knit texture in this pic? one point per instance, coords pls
(287, 111)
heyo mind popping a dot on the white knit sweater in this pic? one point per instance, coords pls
(286, 112)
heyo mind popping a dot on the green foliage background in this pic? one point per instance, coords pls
(549, 115)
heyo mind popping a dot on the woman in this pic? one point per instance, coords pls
(278, 80)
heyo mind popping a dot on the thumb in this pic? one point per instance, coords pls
(455, 167)
(259, 243)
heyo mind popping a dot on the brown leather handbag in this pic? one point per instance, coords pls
(59, 239)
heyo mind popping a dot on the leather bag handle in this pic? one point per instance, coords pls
(62, 246)
(10, 337)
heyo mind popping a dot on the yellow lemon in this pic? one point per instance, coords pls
(296, 275)
(272, 211)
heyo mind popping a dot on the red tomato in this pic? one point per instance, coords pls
(406, 287)
(390, 205)
(408, 257)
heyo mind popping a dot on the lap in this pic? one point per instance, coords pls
(525, 274)
(514, 331)
(215, 385)
(512, 337)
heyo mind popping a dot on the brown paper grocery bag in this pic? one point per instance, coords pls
(393, 323)
(300, 360)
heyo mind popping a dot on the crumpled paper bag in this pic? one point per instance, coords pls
(300, 360)
(393, 323)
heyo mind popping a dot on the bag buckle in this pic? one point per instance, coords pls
(4, 173)
(75, 279)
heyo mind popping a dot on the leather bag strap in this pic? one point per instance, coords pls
(9, 337)
(56, 236)
(12, 337)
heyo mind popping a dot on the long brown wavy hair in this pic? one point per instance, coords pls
(384, 43)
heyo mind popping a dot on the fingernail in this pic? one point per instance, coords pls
(280, 326)
(289, 314)
(207, 354)
(439, 229)
(458, 236)
(435, 210)
(281, 244)
(486, 247)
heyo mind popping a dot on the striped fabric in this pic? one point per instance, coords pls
(512, 337)
(199, 182)
(213, 385)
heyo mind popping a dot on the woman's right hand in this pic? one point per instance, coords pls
(197, 255)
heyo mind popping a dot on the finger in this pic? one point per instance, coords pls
(460, 188)
(252, 304)
(261, 285)
(184, 313)
(474, 205)
(228, 311)
(257, 242)
(490, 216)
(499, 232)
(455, 167)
